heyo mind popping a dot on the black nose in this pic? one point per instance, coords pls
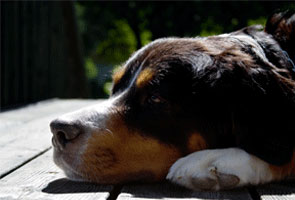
(64, 131)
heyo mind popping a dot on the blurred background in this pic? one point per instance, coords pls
(70, 49)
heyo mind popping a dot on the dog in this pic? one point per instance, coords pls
(207, 113)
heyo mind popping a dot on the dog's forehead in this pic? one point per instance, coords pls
(185, 48)
(144, 64)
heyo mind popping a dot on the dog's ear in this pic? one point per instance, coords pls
(282, 26)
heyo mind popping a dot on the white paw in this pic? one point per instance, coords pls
(219, 169)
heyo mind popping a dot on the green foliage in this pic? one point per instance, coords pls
(107, 87)
(118, 45)
(80, 11)
(210, 27)
(91, 70)
(112, 31)
(146, 37)
(234, 21)
(261, 20)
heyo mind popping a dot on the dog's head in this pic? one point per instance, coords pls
(172, 97)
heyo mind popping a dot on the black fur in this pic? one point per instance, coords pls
(219, 87)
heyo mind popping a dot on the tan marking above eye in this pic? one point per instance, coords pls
(118, 74)
(144, 77)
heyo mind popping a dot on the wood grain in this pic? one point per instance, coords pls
(30, 174)
(169, 191)
(30, 136)
(35, 111)
(41, 179)
(277, 191)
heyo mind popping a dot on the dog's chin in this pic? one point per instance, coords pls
(66, 165)
(74, 176)
(69, 161)
(75, 170)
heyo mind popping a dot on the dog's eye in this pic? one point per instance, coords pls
(156, 99)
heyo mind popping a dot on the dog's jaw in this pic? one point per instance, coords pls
(91, 119)
(108, 152)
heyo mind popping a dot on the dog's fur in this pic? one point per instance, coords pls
(226, 102)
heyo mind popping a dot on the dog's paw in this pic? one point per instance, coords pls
(219, 169)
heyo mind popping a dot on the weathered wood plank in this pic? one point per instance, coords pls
(20, 143)
(37, 110)
(277, 191)
(169, 191)
(41, 179)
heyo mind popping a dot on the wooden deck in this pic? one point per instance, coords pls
(28, 172)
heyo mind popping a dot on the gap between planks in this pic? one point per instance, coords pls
(25, 162)
(277, 191)
(41, 179)
(32, 180)
(169, 191)
(30, 137)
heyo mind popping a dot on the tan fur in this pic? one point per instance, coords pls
(283, 171)
(117, 76)
(196, 143)
(119, 155)
(144, 77)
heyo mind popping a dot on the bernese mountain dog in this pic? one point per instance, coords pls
(207, 113)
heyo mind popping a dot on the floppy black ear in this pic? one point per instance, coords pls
(282, 26)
